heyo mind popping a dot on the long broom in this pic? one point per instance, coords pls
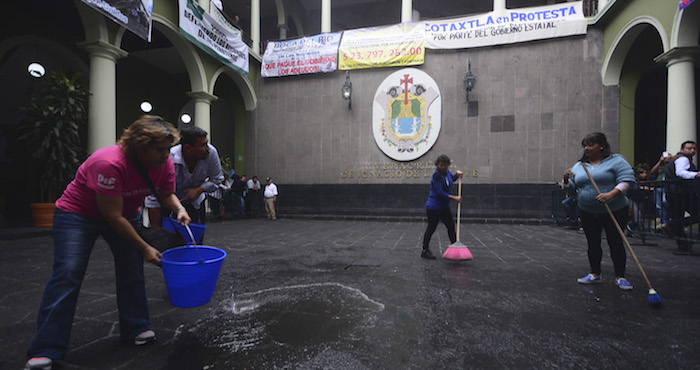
(654, 298)
(457, 251)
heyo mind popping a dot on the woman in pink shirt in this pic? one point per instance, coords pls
(104, 200)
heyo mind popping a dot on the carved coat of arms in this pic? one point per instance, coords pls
(406, 116)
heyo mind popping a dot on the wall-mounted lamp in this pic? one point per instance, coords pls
(185, 118)
(36, 70)
(347, 90)
(146, 107)
(469, 81)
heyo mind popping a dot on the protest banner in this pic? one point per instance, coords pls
(134, 15)
(395, 45)
(219, 16)
(313, 54)
(506, 27)
(201, 29)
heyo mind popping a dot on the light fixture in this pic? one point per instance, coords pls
(36, 70)
(185, 118)
(469, 81)
(146, 107)
(347, 90)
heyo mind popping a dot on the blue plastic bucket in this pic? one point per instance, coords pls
(197, 229)
(190, 282)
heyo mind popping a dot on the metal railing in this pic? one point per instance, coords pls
(665, 209)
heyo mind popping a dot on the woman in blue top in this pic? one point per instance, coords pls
(613, 175)
(438, 205)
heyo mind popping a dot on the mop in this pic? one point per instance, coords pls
(457, 251)
(654, 298)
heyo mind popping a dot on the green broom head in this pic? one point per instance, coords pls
(654, 298)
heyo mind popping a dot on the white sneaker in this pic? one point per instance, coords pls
(42, 363)
(145, 337)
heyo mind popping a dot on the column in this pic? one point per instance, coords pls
(255, 25)
(202, 110)
(602, 4)
(406, 11)
(499, 5)
(325, 16)
(283, 31)
(102, 106)
(681, 119)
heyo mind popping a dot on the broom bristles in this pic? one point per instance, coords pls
(461, 253)
(654, 298)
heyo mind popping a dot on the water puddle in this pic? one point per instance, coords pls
(281, 326)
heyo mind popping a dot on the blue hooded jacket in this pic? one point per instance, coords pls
(440, 186)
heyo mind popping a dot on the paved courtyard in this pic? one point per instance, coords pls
(332, 294)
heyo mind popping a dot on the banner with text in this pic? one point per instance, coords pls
(219, 16)
(396, 45)
(305, 55)
(682, 4)
(201, 29)
(506, 27)
(134, 15)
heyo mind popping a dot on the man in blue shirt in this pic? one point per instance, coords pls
(197, 172)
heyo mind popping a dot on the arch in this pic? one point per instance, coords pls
(296, 11)
(94, 24)
(281, 13)
(7, 46)
(298, 24)
(187, 51)
(250, 100)
(686, 27)
(614, 60)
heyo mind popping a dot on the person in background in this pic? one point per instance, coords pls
(252, 196)
(197, 171)
(239, 191)
(639, 197)
(570, 206)
(438, 205)
(104, 200)
(270, 195)
(658, 172)
(614, 176)
(682, 194)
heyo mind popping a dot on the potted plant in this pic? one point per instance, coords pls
(51, 129)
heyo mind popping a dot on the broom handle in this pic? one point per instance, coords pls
(619, 229)
(459, 206)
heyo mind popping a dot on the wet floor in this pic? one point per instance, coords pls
(295, 294)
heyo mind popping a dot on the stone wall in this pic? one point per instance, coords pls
(532, 104)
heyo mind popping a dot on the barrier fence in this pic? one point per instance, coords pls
(666, 209)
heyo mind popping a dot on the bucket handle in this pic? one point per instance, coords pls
(194, 243)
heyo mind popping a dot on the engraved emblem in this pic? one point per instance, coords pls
(406, 116)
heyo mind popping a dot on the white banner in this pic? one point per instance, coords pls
(305, 55)
(201, 29)
(216, 14)
(506, 27)
(134, 15)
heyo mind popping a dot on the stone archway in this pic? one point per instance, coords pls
(631, 56)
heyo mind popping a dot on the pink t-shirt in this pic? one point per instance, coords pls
(109, 172)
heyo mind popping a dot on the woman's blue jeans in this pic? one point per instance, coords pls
(74, 238)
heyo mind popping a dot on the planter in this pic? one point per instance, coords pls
(43, 214)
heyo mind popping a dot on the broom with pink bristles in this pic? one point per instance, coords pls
(457, 251)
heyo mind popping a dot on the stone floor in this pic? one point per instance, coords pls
(309, 294)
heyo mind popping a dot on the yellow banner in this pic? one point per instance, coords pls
(390, 46)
